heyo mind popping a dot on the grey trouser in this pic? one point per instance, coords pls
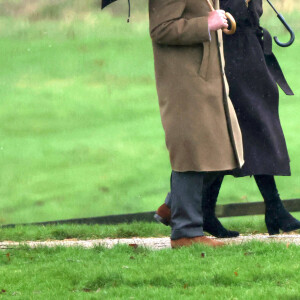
(185, 201)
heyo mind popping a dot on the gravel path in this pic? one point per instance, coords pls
(153, 243)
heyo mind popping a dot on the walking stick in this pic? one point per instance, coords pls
(229, 17)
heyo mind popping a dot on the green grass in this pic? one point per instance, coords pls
(60, 232)
(80, 130)
(250, 271)
(81, 136)
(249, 225)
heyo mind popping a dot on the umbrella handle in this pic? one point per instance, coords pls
(232, 30)
(289, 29)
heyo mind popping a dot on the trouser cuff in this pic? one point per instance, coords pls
(186, 233)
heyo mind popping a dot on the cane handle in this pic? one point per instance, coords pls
(232, 22)
(229, 17)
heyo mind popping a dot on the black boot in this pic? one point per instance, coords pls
(276, 216)
(211, 224)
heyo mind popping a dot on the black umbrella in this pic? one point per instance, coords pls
(107, 2)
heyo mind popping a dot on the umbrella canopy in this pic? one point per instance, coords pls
(106, 2)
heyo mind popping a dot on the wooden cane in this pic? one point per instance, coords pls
(229, 17)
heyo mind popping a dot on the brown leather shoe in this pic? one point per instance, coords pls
(203, 240)
(163, 215)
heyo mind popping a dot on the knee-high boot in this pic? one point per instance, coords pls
(211, 223)
(276, 216)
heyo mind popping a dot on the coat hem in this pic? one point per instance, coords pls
(260, 173)
(224, 169)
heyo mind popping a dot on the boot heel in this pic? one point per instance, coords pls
(161, 220)
(273, 227)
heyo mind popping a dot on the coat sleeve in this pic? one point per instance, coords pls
(168, 27)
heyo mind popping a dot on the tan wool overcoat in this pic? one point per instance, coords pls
(201, 128)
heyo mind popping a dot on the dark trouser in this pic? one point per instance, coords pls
(185, 201)
(211, 186)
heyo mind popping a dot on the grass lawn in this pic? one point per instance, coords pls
(81, 136)
(245, 225)
(249, 271)
(80, 128)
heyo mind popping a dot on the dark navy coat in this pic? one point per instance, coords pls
(254, 93)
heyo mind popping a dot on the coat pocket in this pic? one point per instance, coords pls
(205, 61)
